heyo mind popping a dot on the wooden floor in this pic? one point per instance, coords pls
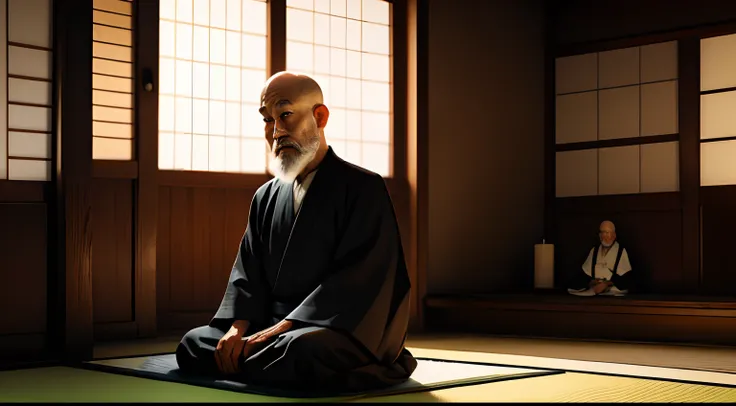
(596, 371)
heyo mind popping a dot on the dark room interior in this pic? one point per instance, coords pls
(130, 153)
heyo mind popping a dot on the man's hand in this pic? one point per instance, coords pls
(230, 347)
(600, 286)
(258, 339)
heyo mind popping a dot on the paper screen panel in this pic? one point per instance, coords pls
(717, 163)
(29, 169)
(29, 22)
(660, 170)
(346, 47)
(26, 130)
(659, 108)
(619, 67)
(112, 80)
(618, 170)
(577, 173)
(717, 64)
(212, 67)
(576, 117)
(577, 73)
(29, 145)
(658, 62)
(717, 115)
(618, 113)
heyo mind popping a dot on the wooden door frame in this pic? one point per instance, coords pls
(70, 236)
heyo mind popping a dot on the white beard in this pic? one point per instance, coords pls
(607, 245)
(287, 168)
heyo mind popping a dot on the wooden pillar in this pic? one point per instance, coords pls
(550, 177)
(71, 289)
(276, 51)
(417, 145)
(689, 122)
(146, 17)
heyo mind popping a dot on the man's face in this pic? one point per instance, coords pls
(607, 236)
(288, 126)
(291, 132)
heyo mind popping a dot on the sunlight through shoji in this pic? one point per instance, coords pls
(212, 68)
(112, 80)
(27, 75)
(717, 104)
(345, 45)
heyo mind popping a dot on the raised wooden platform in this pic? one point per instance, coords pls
(648, 318)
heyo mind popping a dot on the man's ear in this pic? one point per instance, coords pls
(321, 114)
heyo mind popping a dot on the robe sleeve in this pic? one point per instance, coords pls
(246, 293)
(582, 277)
(622, 279)
(588, 264)
(359, 292)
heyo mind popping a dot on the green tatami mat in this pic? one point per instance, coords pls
(63, 384)
(430, 374)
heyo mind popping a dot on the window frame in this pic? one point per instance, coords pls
(276, 62)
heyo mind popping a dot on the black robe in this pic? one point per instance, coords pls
(337, 264)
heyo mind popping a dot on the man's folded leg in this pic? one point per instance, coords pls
(323, 359)
(196, 351)
(305, 358)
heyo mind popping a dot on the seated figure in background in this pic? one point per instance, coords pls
(607, 270)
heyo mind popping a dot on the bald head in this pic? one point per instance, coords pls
(287, 87)
(608, 225)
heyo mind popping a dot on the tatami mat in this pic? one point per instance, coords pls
(63, 384)
(590, 367)
(703, 358)
(673, 370)
(430, 374)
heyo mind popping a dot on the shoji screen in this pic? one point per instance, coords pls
(25, 89)
(717, 108)
(211, 71)
(346, 46)
(625, 94)
(112, 80)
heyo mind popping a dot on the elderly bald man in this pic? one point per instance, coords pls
(318, 296)
(607, 270)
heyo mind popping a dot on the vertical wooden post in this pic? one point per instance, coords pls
(276, 48)
(417, 140)
(146, 31)
(550, 177)
(689, 123)
(71, 290)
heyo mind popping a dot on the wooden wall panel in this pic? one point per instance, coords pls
(23, 268)
(112, 250)
(649, 226)
(199, 233)
(718, 239)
